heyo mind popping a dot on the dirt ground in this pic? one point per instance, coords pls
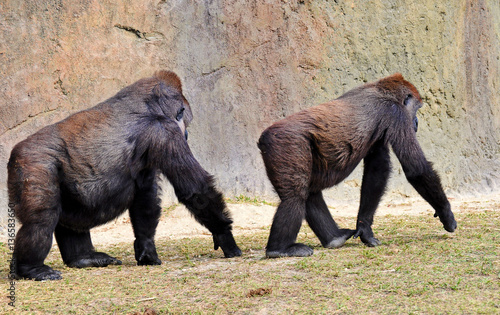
(178, 222)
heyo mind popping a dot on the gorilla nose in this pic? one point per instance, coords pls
(186, 134)
(415, 124)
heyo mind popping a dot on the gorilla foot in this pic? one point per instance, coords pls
(295, 250)
(41, 273)
(338, 241)
(94, 259)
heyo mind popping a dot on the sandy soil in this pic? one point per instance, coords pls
(178, 223)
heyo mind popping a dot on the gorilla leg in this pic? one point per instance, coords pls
(144, 214)
(376, 172)
(284, 230)
(77, 250)
(37, 201)
(32, 245)
(321, 222)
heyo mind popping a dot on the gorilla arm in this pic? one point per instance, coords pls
(423, 177)
(194, 187)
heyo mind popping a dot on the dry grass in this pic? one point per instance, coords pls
(419, 269)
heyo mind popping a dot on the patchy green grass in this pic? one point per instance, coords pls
(241, 199)
(419, 269)
(250, 200)
(169, 209)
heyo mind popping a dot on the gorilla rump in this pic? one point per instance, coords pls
(319, 147)
(89, 168)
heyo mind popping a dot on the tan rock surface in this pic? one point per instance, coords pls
(245, 64)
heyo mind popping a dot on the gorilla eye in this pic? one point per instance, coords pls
(407, 99)
(180, 114)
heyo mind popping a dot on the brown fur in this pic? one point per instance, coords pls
(319, 147)
(92, 166)
(169, 78)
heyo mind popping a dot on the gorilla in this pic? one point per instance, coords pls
(319, 147)
(92, 166)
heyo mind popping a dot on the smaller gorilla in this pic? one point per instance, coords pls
(90, 167)
(319, 147)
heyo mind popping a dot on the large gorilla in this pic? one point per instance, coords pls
(89, 168)
(320, 146)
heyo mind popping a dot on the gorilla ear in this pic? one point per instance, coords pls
(180, 114)
(407, 99)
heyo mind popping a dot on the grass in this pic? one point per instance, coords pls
(250, 200)
(419, 269)
(241, 199)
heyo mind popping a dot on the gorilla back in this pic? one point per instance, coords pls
(89, 168)
(319, 147)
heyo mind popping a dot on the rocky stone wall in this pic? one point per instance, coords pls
(246, 64)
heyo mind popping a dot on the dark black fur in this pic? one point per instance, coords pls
(89, 168)
(320, 146)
